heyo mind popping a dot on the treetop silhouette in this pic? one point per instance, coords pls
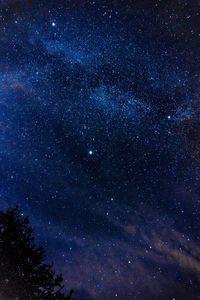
(24, 275)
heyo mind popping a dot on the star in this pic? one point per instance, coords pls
(90, 152)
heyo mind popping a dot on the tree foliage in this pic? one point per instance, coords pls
(24, 275)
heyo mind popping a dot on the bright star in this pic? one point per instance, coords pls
(53, 24)
(90, 152)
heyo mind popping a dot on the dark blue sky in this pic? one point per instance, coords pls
(99, 141)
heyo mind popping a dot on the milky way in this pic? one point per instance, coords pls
(100, 142)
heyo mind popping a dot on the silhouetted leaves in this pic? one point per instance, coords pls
(23, 273)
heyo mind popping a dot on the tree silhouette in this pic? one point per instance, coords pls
(23, 273)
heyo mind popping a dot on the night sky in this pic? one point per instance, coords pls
(100, 141)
